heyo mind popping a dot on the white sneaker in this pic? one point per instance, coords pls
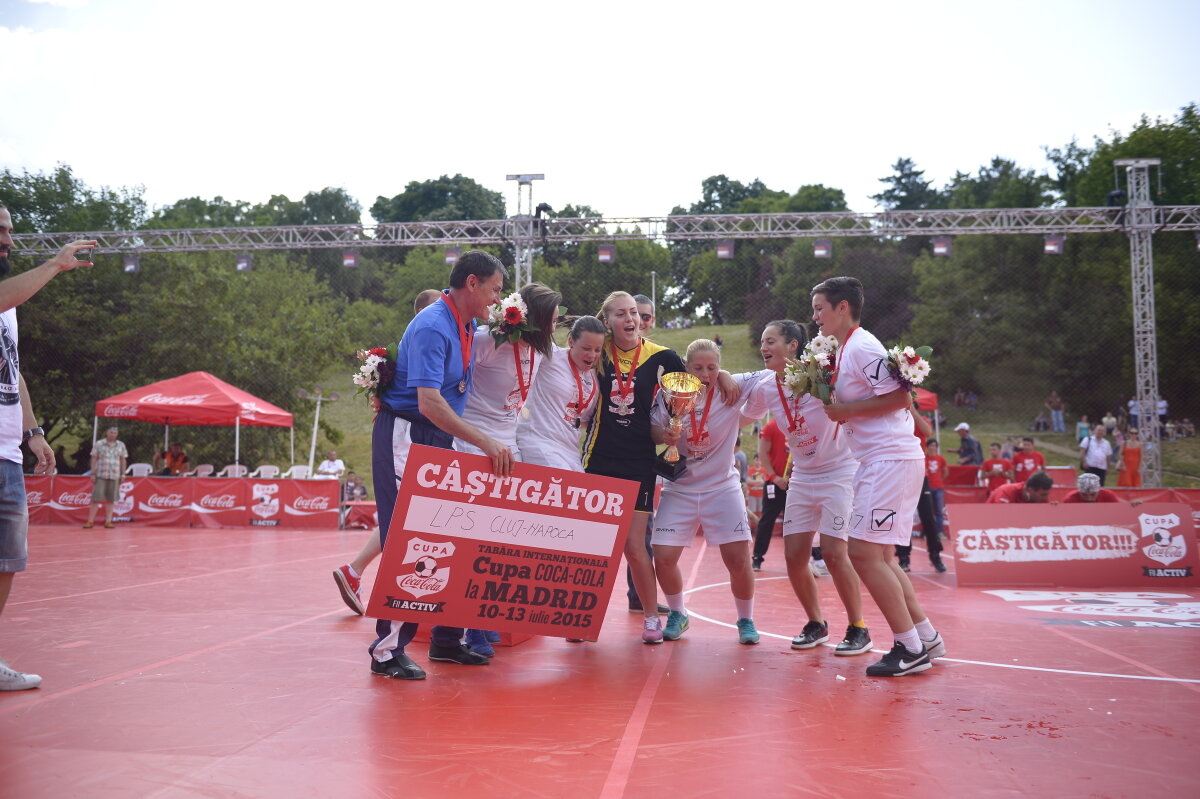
(13, 680)
(818, 568)
(935, 647)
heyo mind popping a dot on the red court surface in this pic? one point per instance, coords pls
(222, 663)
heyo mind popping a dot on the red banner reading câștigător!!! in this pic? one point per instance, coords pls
(536, 552)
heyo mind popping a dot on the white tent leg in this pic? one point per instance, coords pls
(292, 436)
(237, 440)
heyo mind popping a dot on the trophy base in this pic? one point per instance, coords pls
(668, 470)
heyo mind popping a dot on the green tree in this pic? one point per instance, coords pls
(907, 190)
(1001, 184)
(440, 199)
(60, 202)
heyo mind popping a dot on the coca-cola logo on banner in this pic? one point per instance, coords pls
(218, 501)
(165, 501)
(35, 497)
(162, 399)
(125, 411)
(80, 499)
(311, 503)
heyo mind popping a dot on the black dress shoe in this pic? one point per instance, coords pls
(937, 564)
(903, 564)
(756, 565)
(457, 654)
(635, 606)
(400, 667)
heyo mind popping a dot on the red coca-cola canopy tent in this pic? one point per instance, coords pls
(193, 399)
(196, 398)
(926, 400)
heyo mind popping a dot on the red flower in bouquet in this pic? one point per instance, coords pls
(512, 315)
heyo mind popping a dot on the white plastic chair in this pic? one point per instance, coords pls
(139, 469)
(266, 472)
(203, 470)
(233, 470)
(297, 472)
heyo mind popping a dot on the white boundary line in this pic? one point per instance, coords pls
(695, 615)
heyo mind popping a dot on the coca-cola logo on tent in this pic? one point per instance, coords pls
(163, 399)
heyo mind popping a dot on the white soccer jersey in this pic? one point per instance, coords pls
(862, 373)
(814, 446)
(495, 398)
(551, 422)
(708, 447)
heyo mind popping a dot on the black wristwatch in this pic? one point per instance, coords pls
(33, 431)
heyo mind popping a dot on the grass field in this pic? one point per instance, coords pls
(997, 418)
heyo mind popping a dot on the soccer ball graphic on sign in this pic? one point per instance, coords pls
(426, 567)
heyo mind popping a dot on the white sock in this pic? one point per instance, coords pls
(353, 573)
(745, 607)
(910, 639)
(675, 602)
(925, 630)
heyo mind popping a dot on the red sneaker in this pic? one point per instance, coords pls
(348, 584)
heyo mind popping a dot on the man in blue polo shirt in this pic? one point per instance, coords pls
(423, 405)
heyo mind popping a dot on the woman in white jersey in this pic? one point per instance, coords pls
(819, 493)
(707, 496)
(502, 376)
(501, 380)
(563, 399)
(873, 408)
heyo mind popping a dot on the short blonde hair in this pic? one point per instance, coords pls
(702, 345)
(609, 300)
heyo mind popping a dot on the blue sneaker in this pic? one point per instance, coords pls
(677, 623)
(477, 642)
(747, 632)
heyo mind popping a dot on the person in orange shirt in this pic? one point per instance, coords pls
(995, 471)
(1129, 467)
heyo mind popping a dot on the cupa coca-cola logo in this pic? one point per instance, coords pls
(165, 501)
(127, 411)
(35, 497)
(163, 399)
(218, 501)
(80, 498)
(311, 503)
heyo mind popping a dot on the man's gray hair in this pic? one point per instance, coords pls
(642, 299)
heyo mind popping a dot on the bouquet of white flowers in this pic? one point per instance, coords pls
(910, 366)
(813, 371)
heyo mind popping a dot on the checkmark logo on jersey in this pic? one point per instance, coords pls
(882, 518)
(876, 371)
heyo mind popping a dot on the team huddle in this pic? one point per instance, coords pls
(595, 406)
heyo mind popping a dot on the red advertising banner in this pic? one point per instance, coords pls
(1078, 545)
(219, 502)
(37, 497)
(309, 503)
(536, 552)
(70, 497)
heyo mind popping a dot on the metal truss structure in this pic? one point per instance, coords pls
(1141, 226)
(664, 228)
(524, 232)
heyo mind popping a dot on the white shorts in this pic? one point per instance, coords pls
(463, 446)
(551, 454)
(720, 513)
(819, 503)
(885, 500)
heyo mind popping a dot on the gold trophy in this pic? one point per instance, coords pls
(680, 391)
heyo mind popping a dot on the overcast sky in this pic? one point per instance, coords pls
(624, 106)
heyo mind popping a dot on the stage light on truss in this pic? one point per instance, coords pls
(452, 254)
(349, 259)
(941, 245)
(822, 248)
(606, 253)
(1198, 242)
(244, 262)
(1054, 244)
(725, 250)
(130, 263)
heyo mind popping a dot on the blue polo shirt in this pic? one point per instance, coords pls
(430, 356)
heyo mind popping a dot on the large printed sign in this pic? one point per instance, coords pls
(1080, 545)
(536, 552)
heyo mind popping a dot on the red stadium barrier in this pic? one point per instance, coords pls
(190, 501)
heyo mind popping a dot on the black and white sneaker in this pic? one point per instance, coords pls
(756, 564)
(815, 632)
(935, 648)
(900, 662)
(857, 641)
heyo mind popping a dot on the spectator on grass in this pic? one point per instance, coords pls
(1095, 453)
(1110, 423)
(970, 451)
(1056, 406)
(1162, 412)
(1027, 461)
(960, 398)
(1129, 467)
(995, 471)
(1083, 427)
(1036, 489)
